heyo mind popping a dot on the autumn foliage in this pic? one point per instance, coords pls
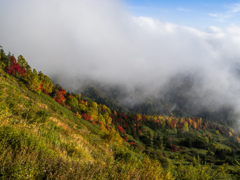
(86, 117)
(120, 129)
(15, 68)
(60, 98)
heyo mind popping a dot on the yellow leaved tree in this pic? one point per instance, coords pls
(93, 111)
(105, 113)
(78, 115)
(82, 107)
(101, 119)
(185, 126)
(138, 117)
(111, 135)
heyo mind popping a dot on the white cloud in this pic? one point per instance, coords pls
(102, 41)
(221, 17)
(213, 15)
(233, 9)
(183, 9)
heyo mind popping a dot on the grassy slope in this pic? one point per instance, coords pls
(39, 139)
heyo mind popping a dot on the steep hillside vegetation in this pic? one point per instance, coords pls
(46, 133)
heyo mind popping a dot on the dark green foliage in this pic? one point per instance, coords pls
(157, 141)
(230, 160)
(222, 153)
(165, 139)
(192, 140)
(146, 140)
(209, 159)
(179, 133)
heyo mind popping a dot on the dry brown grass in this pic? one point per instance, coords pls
(25, 97)
(43, 106)
(61, 124)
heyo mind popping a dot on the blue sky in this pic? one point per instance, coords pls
(197, 14)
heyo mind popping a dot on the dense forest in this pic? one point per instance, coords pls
(47, 132)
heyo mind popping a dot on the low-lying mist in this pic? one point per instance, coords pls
(77, 42)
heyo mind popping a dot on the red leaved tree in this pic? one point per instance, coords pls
(60, 98)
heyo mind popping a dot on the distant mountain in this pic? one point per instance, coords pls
(95, 95)
(178, 100)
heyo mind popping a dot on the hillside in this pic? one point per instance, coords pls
(46, 133)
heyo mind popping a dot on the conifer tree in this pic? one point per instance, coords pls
(21, 61)
(2, 58)
(8, 59)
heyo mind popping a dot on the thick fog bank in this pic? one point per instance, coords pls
(77, 41)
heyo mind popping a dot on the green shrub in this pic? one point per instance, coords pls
(172, 156)
(181, 157)
(203, 172)
(188, 158)
(230, 160)
(164, 162)
(165, 154)
(209, 159)
(122, 153)
(184, 152)
(193, 151)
